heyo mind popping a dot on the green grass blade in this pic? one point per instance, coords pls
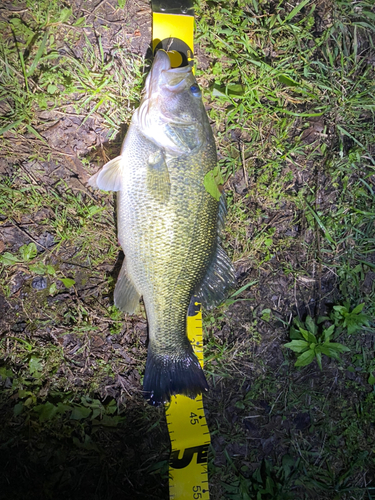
(39, 54)
(295, 11)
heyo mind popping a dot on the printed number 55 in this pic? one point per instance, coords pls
(197, 493)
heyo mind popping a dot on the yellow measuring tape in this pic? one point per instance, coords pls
(173, 30)
(189, 432)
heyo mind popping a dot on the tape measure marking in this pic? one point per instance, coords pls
(188, 431)
(173, 32)
(186, 421)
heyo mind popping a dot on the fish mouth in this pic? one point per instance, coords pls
(163, 75)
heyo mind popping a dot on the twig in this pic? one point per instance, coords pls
(242, 151)
(28, 235)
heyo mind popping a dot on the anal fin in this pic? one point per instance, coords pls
(126, 297)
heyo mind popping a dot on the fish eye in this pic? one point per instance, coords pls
(195, 90)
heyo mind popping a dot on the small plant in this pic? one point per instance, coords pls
(310, 340)
(25, 254)
(353, 320)
(265, 483)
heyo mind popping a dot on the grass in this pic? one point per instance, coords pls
(289, 90)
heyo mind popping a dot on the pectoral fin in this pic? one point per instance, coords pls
(110, 177)
(158, 181)
(126, 297)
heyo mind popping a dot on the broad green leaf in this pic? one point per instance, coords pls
(79, 21)
(325, 350)
(297, 345)
(212, 180)
(18, 408)
(340, 309)
(331, 353)
(35, 365)
(321, 319)
(111, 407)
(8, 259)
(65, 14)
(46, 411)
(268, 242)
(305, 359)
(305, 333)
(338, 347)
(38, 268)
(371, 379)
(354, 322)
(286, 80)
(62, 408)
(231, 89)
(28, 252)
(51, 270)
(358, 309)
(22, 393)
(52, 289)
(310, 337)
(80, 412)
(51, 89)
(294, 333)
(328, 333)
(311, 325)
(67, 282)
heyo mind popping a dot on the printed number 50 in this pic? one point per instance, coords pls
(196, 490)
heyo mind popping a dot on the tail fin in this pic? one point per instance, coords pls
(168, 375)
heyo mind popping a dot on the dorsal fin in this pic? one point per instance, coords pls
(219, 279)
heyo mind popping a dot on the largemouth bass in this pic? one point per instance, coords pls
(168, 224)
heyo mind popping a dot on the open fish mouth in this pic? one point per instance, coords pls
(163, 75)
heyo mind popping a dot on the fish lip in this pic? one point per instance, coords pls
(162, 75)
(171, 75)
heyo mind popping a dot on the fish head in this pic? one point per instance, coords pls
(172, 113)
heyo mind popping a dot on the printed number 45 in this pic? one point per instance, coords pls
(194, 418)
(197, 490)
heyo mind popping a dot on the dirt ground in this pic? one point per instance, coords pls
(128, 458)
